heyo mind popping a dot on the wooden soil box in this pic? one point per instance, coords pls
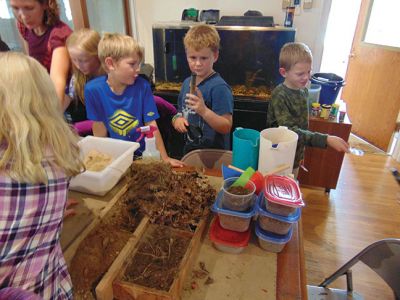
(113, 286)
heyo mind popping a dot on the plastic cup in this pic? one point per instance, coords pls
(236, 202)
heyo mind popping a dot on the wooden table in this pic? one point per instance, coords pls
(291, 279)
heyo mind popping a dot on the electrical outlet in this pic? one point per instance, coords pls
(286, 3)
(307, 4)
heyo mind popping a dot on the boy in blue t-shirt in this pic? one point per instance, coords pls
(211, 105)
(121, 101)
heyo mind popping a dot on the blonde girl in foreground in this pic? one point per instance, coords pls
(38, 155)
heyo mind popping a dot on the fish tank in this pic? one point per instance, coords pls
(248, 58)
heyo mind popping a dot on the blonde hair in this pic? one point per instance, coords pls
(202, 36)
(86, 40)
(118, 46)
(293, 53)
(32, 127)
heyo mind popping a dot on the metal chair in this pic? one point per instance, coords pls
(208, 158)
(382, 256)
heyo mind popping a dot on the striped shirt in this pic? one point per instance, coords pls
(31, 218)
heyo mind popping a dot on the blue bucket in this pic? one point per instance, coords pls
(245, 148)
(330, 86)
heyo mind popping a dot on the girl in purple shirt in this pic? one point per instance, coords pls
(39, 24)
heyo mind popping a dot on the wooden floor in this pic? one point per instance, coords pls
(365, 207)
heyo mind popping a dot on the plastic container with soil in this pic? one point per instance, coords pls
(233, 220)
(282, 195)
(237, 198)
(272, 222)
(270, 241)
(227, 240)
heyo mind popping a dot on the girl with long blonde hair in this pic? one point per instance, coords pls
(38, 155)
(82, 48)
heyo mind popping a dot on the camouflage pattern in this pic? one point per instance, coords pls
(289, 108)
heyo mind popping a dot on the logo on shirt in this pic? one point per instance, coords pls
(151, 113)
(122, 123)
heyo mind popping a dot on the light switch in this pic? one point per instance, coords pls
(286, 3)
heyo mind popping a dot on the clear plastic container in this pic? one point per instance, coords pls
(99, 183)
(227, 240)
(272, 222)
(233, 220)
(270, 241)
(237, 202)
(282, 194)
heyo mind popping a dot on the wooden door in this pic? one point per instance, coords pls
(372, 90)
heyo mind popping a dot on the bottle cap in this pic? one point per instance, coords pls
(147, 131)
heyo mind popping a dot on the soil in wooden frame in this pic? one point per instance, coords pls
(157, 261)
(99, 249)
(178, 200)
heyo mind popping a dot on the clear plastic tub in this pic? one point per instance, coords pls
(227, 240)
(275, 223)
(99, 183)
(270, 241)
(233, 220)
(237, 202)
(282, 194)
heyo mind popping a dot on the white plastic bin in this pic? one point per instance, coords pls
(99, 183)
(277, 147)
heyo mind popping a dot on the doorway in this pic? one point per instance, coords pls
(342, 22)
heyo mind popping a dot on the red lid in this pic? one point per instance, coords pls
(283, 190)
(227, 237)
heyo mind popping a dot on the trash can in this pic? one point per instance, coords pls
(330, 86)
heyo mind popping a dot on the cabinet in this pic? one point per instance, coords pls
(324, 164)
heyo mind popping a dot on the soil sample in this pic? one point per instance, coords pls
(158, 258)
(178, 200)
(237, 198)
(99, 249)
(238, 190)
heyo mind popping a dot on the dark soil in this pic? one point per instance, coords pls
(98, 250)
(178, 200)
(238, 190)
(157, 260)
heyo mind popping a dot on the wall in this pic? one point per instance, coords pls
(310, 23)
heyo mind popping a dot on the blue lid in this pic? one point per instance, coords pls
(263, 211)
(273, 237)
(217, 208)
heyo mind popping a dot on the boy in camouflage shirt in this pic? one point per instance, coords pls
(288, 105)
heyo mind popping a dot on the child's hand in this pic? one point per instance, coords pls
(68, 210)
(196, 102)
(337, 143)
(174, 162)
(180, 124)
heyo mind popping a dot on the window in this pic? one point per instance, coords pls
(382, 23)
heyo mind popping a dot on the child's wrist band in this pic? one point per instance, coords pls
(178, 115)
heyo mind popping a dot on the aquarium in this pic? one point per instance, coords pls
(248, 58)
